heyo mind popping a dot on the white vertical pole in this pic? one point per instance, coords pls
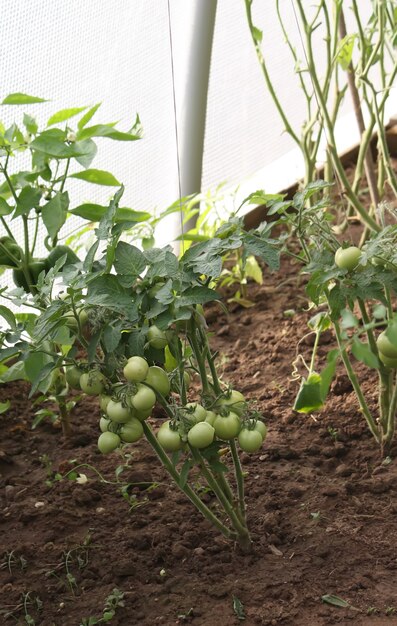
(192, 58)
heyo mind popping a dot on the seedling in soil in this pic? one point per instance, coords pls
(76, 558)
(11, 559)
(29, 603)
(113, 602)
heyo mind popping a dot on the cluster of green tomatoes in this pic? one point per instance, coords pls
(124, 406)
(348, 258)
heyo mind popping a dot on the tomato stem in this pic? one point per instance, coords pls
(186, 489)
(239, 479)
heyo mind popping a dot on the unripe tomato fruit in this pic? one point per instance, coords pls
(211, 417)
(227, 427)
(391, 363)
(103, 402)
(250, 440)
(117, 412)
(92, 383)
(197, 413)
(168, 438)
(261, 428)
(108, 442)
(156, 338)
(136, 369)
(347, 258)
(201, 435)
(104, 424)
(131, 431)
(144, 399)
(158, 379)
(72, 376)
(235, 401)
(387, 345)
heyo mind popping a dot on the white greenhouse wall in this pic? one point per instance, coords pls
(118, 52)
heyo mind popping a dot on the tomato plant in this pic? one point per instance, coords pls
(354, 290)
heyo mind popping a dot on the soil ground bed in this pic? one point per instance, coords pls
(321, 504)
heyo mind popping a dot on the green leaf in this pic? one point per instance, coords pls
(111, 338)
(54, 213)
(184, 473)
(9, 316)
(309, 397)
(238, 608)
(15, 372)
(263, 249)
(64, 114)
(335, 600)
(106, 291)
(257, 34)
(363, 353)
(345, 51)
(98, 177)
(28, 199)
(253, 270)
(30, 124)
(4, 406)
(328, 372)
(107, 130)
(95, 212)
(197, 295)
(86, 118)
(129, 259)
(22, 98)
(349, 320)
(5, 209)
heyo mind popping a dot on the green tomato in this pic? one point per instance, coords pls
(158, 379)
(108, 442)
(92, 383)
(228, 426)
(117, 412)
(144, 399)
(201, 435)
(196, 412)
(104, 424)
(391, 363)
(57, 253)
(261, 428)
(136, 369)
(250, 440)
(71, 321)
(168, 438)
(72, 376)
(387, 342)
(131, 431)
(156, 338)
(234, 401)
(211, 417)
(347, 258)
(36, 266)
(104, 401)
(141, 415)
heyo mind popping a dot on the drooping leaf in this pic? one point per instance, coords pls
(335, 600)
(309, 396)
(54, 213)
(28, 199)
(363, 353)
(97, 177)
(5, 209)
(9, 316)
(198, 295)
(30, 124)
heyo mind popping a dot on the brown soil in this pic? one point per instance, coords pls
(321, 505)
